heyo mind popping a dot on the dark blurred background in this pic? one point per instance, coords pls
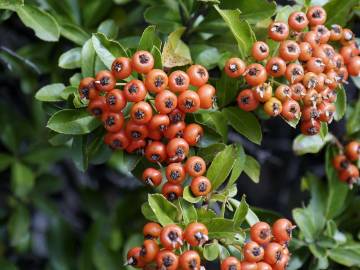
(77, 198)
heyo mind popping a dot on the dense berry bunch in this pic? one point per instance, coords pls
(176, 173)
(343, 163)
(266, 249)
(147, 116)
(165, 248)
(305, 67)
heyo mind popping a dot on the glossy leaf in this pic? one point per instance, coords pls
(226, 90)
(106, 49)
(188, 196)
(88, 56)
(310, 144)
(221, 166)
(74, 33)
(239, 164)
(241, 30)
(245, 123)
(304, 220)
(240, 213)
(149, 39)
(208, 153)
(164, 210)
(165, 19)
(72, 121)
(211, 251)
(70, 59)
(109, 28)
(187, 210)
(345, 256)
(215, 120)
(50, 92)
(338, 11)
(340, 103)
(44, 25)
(257, 11)
(252, 168)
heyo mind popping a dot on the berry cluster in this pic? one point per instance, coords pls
(347, 171)
(156, 107)
(307, 69)
(267, 249)
(176, 174)
(162, 246)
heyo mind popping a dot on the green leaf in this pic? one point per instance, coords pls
(79, 153)
(148, 213)
(123, 162)
(11, 4)
(70, 59)
(157, 57)
(310, 144)
(74, 33)
(165, 19)
(22, 179)
(109, 28)
(305, 221)
(284, 12)
(255, 11)
(338, 11)
(340, 103)
(353, 120)
(149, 39)
(226, 89)
(221, 166)
(214, 120)
(106, 49)
(317, 202)
(245, 123)
(18, 228)
(223, 252)
(323, 130)
(241, 30)
(73, 122)
(240, 213)
(5, 161)
(252, 168)
(206, 56)
(239, 164)
(337, 191)
(88, 56)
(67, 92)
(188, 196)
(345, 256)
(187, 210)
(205, 214)
(223, 229)
(211, 251)
(50, 92)
(176, 52)
(251, 217)
(165, 211)
(44, 25)
(208, 153)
